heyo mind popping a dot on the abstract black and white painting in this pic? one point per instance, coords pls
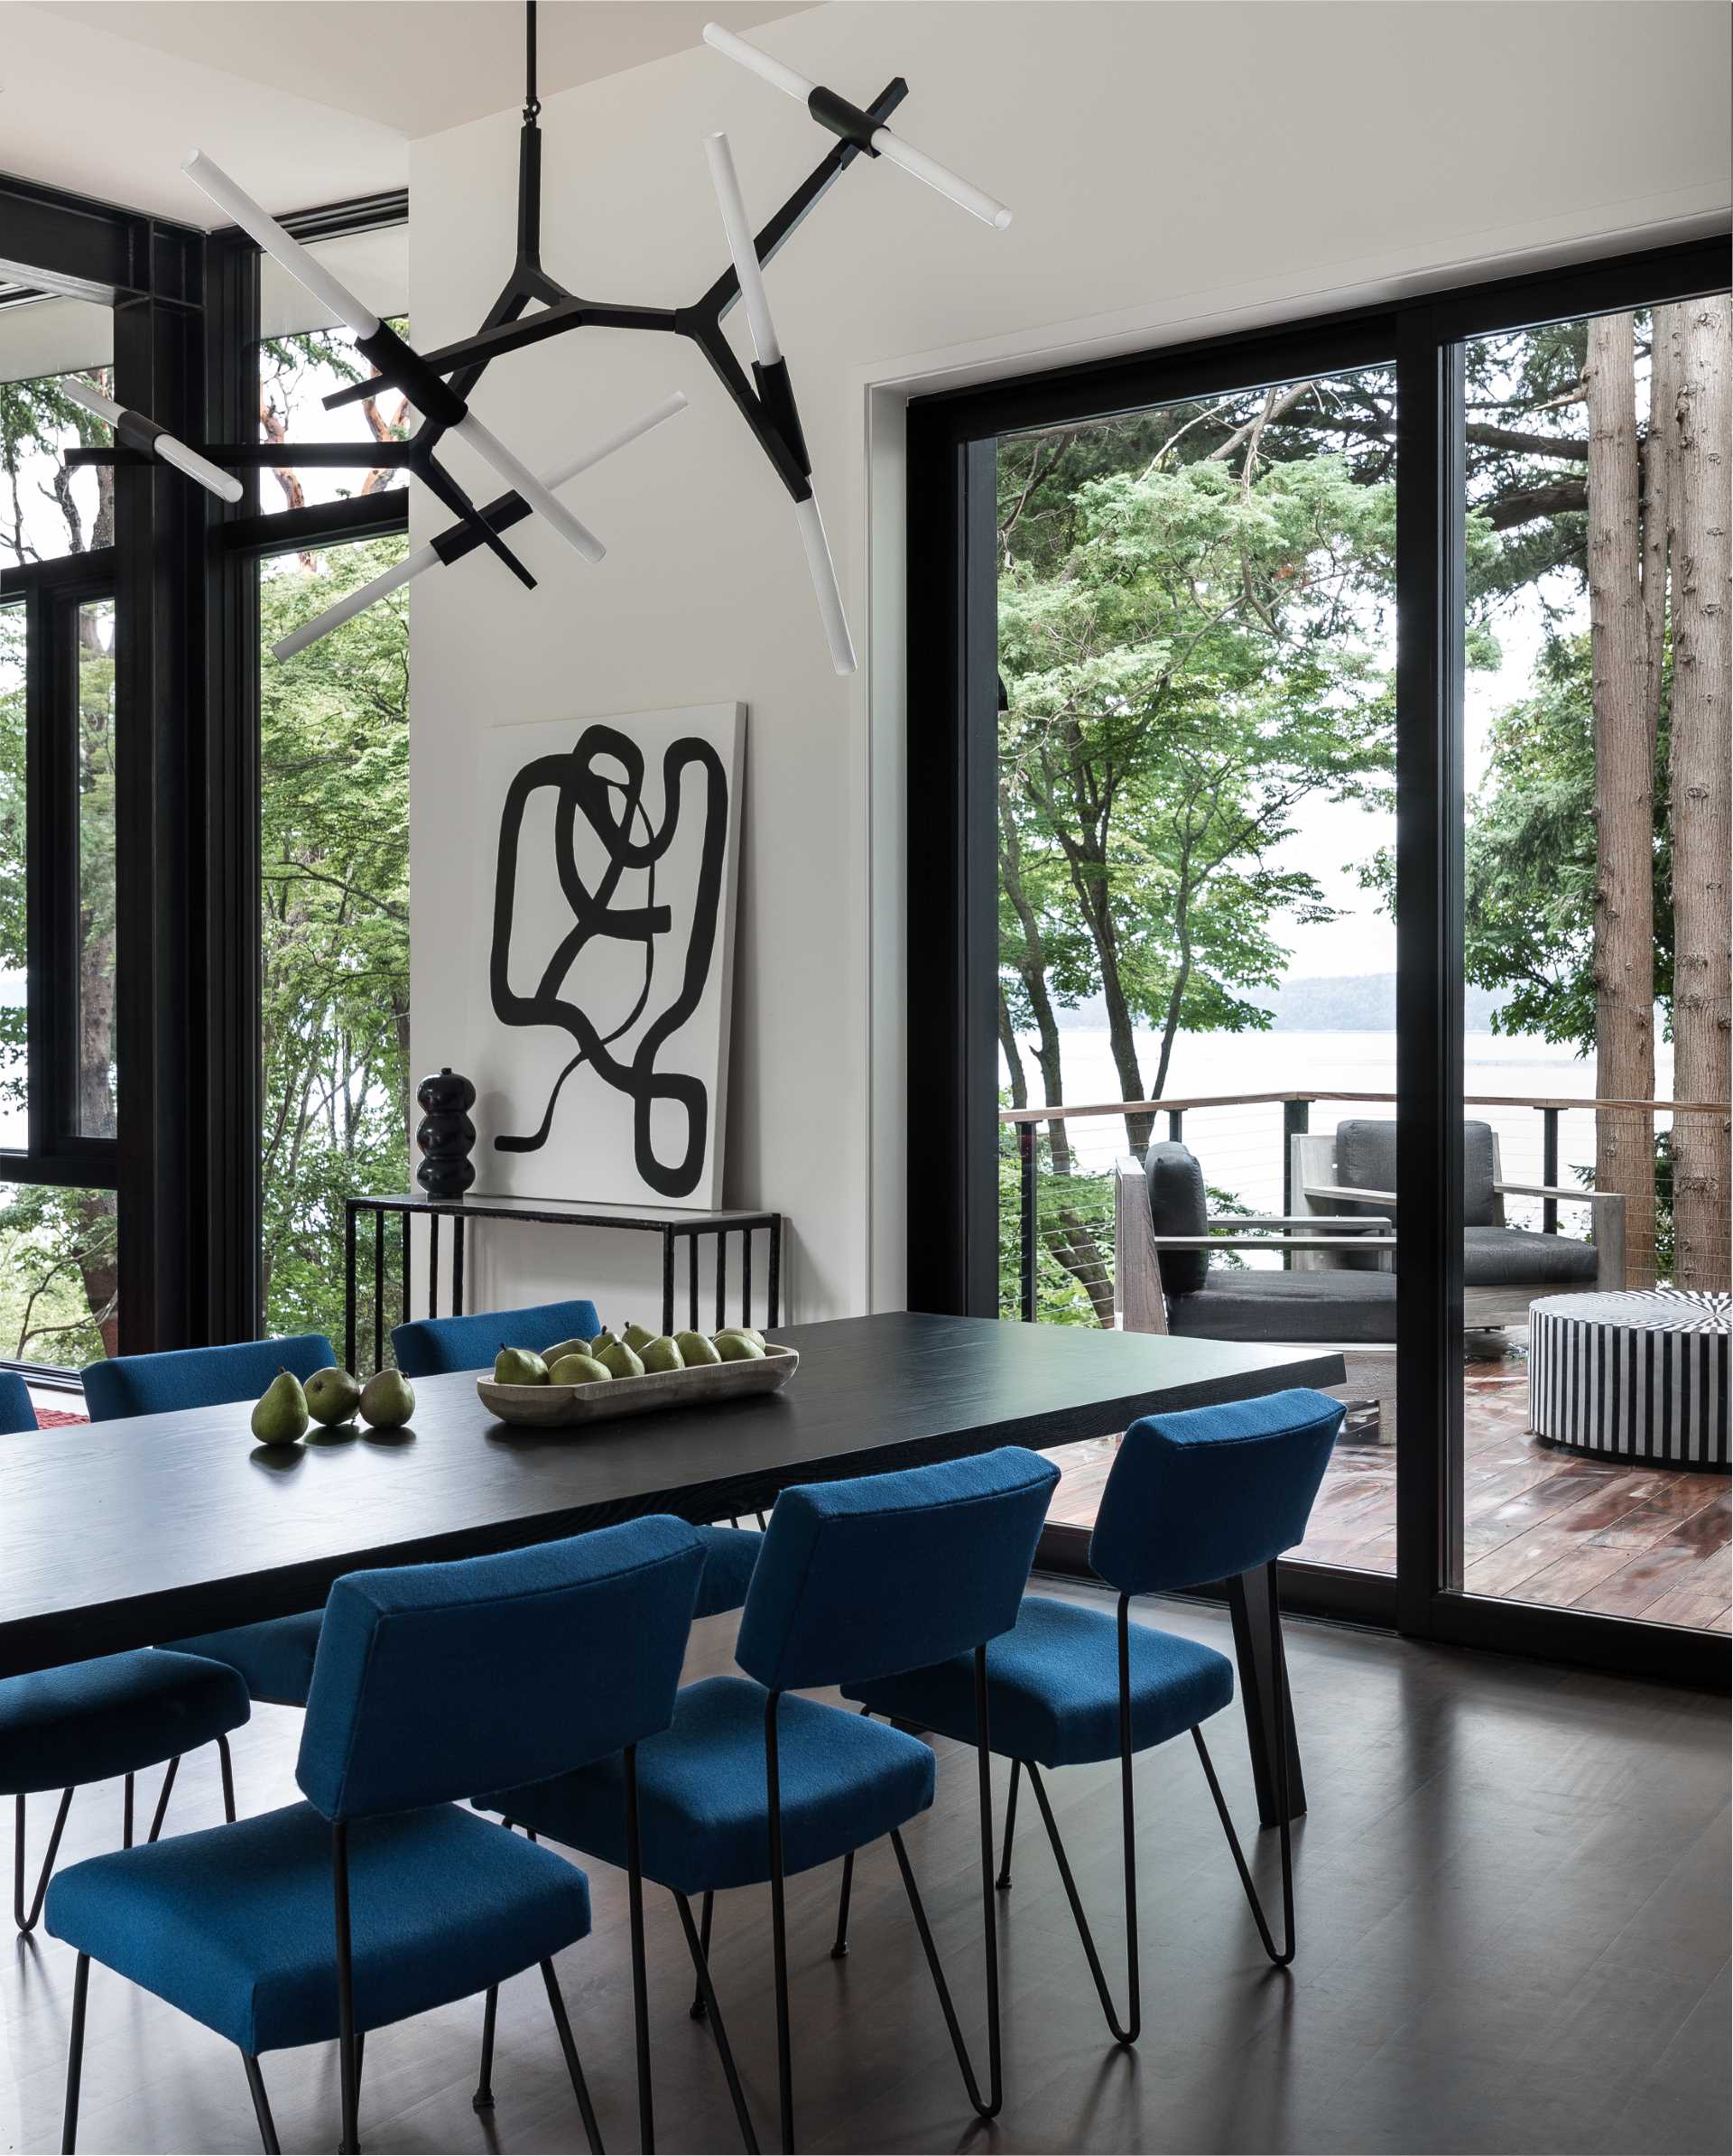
(601, 974)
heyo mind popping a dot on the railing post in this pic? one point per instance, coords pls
(1029, 1217)
(1175, 1125)
(1296, 1119)
(1549, 1168)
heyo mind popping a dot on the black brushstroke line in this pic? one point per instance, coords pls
(580, 788)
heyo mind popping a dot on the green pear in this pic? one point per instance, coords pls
(619, 1361)
(750, 1332)
(561, 1349)
(735, 1347)
(518, 1366)
(333, 1396)
(696, 1347)
(280, 1416)
(579, 1370)
(387, 1399)
(603, 1339)
(662, 1354)
(637, 1337)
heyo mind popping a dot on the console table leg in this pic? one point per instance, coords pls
(404, 1219)
(667, 1280)
(379, 1290)
(721, 1277)
(774, 1286)
(349, 1287)
(745, 1276)
(457, 1265)
(432, 1265)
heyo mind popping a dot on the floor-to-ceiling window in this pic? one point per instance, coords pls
(1276, 775)
(59, 1062)
(333, 810)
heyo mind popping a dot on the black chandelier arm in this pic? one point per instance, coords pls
(817, 183)
(440, 483)
(247, 455)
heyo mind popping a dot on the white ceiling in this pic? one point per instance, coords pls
(306, 101)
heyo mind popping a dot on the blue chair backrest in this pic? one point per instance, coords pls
(427, 1346)
(207, 1377)
(16, 1412)
(1213, 1491)
(435, 1681)
(883, 1573)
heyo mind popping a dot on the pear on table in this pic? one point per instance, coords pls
(739, 1347)
(333, 1396)
(579, 1370)
(696, 1348)
(387, 1399)
(620, 1361)
(280, 1416)
(519, 1366)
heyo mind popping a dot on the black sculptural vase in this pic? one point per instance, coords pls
(446, 1135)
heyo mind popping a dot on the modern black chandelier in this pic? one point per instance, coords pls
(439, 384)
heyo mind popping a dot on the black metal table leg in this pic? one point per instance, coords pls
(745, 1276)
(456, 1263)
(691, 1280)
(667, 1280)
(1263, 1666)
(774, 1286)
(721, 1279)
(404, 1218)
(432, 1265)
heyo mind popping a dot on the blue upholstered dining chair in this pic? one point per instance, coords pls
(1192, 1497)
(752, 1782)
(431, 1347)
(274, 1658)
(117, 1715)
(378, 1897)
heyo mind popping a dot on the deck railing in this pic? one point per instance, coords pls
(1296, 1114)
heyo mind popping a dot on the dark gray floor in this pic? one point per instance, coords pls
(1513, 1936)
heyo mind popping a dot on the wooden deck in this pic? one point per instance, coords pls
(1540, 1525)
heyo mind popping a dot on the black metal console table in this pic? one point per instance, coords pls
(668, 1222)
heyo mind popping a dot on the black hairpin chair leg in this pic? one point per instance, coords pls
(23, 1917)
(574, 2066)
(712, 2012)
(75, 2056)
(698, 2007)
(261, 2105)
(1125, 2032)
(1010, 1826)
(1280, 1749)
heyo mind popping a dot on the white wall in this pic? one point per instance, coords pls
(1173, 169)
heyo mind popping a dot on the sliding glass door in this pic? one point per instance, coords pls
(1273, 792)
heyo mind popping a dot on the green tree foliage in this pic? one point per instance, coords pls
(334, 986)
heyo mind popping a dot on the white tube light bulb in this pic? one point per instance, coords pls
(916, 163)
(823, 570)
(744, 247)
(224, 485)
(518, 476)
(422, 558)
(299, 261)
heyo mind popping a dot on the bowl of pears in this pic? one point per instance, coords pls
(633, 1371)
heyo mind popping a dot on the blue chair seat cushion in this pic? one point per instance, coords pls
(275, 1658)
(235, 1927)
(729, 1556)
(703, 1807)
(1053, 1687)
(112, 1716)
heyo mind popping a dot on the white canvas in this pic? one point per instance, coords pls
(600, 982)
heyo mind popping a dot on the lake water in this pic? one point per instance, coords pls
(1240, 1147)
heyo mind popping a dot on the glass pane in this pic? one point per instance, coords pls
(15, 1122)
(96, 1010)
(334, 971)
(303, 357)
(59, 1282)
(1598, 959)
(47, 511)
(1197, 650)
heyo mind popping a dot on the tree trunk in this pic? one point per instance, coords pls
(1013, 1054)
(1702, 817)
(1624, 791)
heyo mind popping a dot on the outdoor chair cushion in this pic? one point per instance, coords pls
(1332, 1305)
(1366, 1160)
(702, 1798)
(234, 1926)
(274, 1658)
(1053, 1687)
(729, 1556)
(1178, 1205)
(112, 1716)
(1519, 1258)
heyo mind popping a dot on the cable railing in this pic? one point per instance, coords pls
(1063, 1206)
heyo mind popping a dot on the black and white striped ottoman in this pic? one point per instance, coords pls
(1641, 1375)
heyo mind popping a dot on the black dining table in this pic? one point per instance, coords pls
(117, 1535)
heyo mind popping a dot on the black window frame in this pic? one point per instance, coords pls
(952, 869)
(182, 572)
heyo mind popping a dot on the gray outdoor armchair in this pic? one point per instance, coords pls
(1353, 1172)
